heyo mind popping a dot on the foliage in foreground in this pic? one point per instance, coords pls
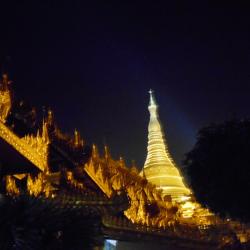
(35, 223)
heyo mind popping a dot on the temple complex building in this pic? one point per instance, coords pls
(159, 168)
(55, 185)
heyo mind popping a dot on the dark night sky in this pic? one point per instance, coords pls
(94, 64)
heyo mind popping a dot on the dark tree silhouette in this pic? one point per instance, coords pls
(29, 223)
(219, 168)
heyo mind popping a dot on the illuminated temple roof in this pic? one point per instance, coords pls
(159, 167)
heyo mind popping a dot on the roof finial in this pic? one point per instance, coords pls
(152, 98)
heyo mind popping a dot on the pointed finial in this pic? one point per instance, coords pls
(106, 152)
(50, 117)
(45, 133)
(95, 153)
(152, 98)
(76, 138)
(121, 161)
(5, 82)
(5, 79)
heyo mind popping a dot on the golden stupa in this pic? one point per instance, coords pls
(159, 167)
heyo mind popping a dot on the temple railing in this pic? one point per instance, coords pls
(178, 232)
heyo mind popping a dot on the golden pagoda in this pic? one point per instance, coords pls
(159, 168)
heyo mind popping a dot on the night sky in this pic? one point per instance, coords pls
(93, 64)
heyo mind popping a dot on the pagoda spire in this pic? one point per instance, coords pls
(159, 167)
(152, 98)
(157, 148)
